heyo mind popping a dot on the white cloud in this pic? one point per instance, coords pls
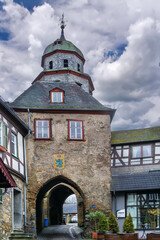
(96, 27)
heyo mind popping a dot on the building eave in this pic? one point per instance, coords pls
(65, 71)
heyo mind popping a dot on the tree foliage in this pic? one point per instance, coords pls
(113, 224)
(103, 223)
(128, 225)
(94, 217)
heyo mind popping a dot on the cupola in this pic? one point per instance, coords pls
(64, 62)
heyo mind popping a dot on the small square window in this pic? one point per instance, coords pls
(78, 67)
(42, 129)
(75, 129)
(65, 62)
(57, 96)
(14, 144)
(50, 64)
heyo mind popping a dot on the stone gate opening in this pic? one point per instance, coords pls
(50, 200)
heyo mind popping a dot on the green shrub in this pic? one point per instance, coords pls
(103, 223)
(112, 223)
(94, 217)
(128, 225)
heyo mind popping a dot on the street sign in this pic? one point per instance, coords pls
(93, 206)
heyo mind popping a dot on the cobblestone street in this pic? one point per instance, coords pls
(63, 232)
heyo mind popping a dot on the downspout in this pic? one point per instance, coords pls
(25, 160)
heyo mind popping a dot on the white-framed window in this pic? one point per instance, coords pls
(42, 129)
(14, 144)
(75, 129)
(3, 135)
(57, 97)
(141, 151)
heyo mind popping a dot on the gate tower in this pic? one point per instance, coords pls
(68, 150)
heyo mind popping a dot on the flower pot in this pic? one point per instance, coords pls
(110, 236)
(153, 236)
(94, 235)
(130, 236)
(101, 235)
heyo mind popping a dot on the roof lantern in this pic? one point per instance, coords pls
(61, 44)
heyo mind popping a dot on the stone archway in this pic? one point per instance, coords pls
(59, 189)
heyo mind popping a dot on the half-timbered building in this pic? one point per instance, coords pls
(12, 171)
(135, 186)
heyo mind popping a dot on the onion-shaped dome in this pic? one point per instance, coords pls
(64, 45)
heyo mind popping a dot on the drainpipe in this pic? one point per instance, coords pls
(25, 160)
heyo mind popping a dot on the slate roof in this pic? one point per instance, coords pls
(65, 45)
(5, 107)
(141, 181)
(70, 208)
(137, 135)
(75, 98)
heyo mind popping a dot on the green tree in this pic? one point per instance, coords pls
(113, 224)
(103, 223)
(128, 225)
(94, 217)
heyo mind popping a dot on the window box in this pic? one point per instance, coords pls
(42, 129)
(75, 129)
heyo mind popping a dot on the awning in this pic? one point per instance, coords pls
(6, 179)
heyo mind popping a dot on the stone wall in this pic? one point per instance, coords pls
(87, 163)
(6, 210)
(58, 61)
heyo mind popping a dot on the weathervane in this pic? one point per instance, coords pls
(62, 22)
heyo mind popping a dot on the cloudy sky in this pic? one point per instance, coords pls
(120, 40)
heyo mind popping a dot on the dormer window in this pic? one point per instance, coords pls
(50, 64)
(65, 62)
(57, 96)
(57, 42)
(78, 67)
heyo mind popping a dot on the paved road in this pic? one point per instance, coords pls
(63, 232)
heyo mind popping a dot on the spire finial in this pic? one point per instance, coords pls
(62, 27)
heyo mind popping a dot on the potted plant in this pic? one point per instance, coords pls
(113, 228)
(155, 235)
(128, 228)
(94, 219)
(102, 226)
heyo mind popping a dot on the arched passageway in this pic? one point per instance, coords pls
(51, 198)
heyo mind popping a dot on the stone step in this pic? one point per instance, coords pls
(17, 235)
